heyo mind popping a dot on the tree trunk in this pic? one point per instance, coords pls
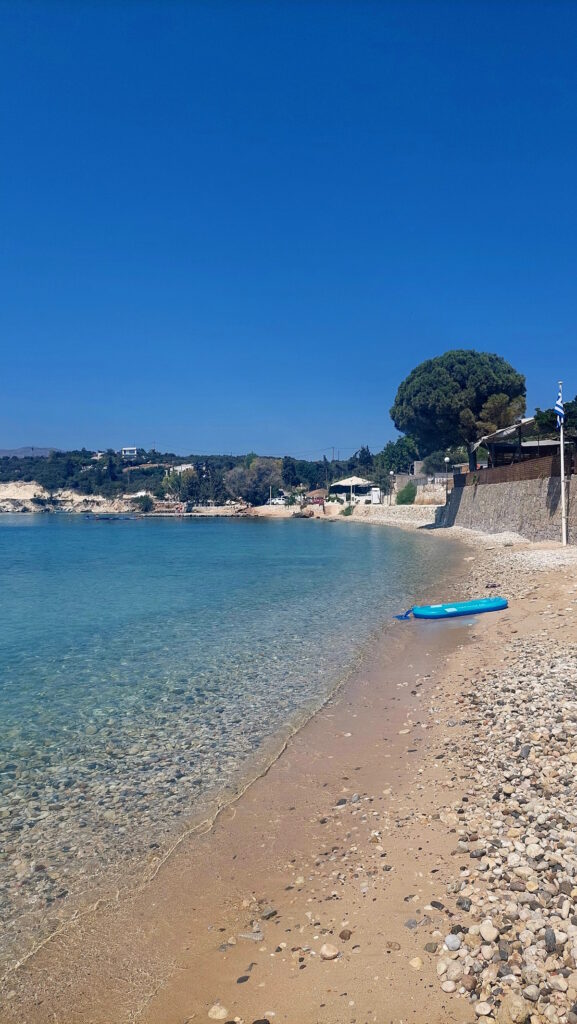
(472, 460)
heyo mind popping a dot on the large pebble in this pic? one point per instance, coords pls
(454, 971)
(534, 851)
(328, 952)
(488, 931)
(513, 1010)
(218, 1012)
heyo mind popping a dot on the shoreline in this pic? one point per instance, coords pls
(111, 865)
(203, 974)
(13, 990)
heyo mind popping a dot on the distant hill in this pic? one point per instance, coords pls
(27, 453)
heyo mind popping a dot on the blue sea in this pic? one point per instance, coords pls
(145, 665)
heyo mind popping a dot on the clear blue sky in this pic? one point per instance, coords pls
(238, 225)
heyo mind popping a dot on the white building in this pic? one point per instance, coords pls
(129, 454)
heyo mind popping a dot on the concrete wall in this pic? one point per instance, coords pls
(529, 507)
(430, 494)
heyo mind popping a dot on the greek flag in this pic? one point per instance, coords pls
(559, 409)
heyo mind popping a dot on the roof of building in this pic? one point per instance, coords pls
(504, 432)
(541, 442)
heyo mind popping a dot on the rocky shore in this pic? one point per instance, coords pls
(507, 922)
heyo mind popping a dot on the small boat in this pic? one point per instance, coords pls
(451, 611)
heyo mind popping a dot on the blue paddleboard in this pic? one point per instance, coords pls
(450, 611)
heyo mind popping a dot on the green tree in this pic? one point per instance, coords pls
(361, 462)
(111, 472)
(435, 462)
(311, 474)
(253, 483)
(144, 503)
(546, 419)
(365, 458)
(443, 400)
(396, 457)
(289, 472)
(500, 411)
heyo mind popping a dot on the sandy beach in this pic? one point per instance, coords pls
(409, 856)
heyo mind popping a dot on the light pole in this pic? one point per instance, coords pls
(391, 485)
(447, 460)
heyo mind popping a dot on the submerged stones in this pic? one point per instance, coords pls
(144, 726)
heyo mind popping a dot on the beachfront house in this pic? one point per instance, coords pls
(509, 445)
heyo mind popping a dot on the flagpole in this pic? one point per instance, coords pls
(563, 496)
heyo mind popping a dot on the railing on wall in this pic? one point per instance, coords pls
(531, 469)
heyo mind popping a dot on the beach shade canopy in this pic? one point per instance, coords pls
(500, 435)
(352, 481)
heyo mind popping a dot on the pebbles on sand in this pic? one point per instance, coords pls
(516, 822)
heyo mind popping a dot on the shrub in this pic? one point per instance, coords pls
(407, 494)
(144, 503)
(347, 511)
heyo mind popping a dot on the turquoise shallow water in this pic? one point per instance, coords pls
(144, 663)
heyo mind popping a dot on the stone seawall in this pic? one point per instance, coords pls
(531, 508)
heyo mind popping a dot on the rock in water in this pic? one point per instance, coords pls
(513, 1010)
(329, 952)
